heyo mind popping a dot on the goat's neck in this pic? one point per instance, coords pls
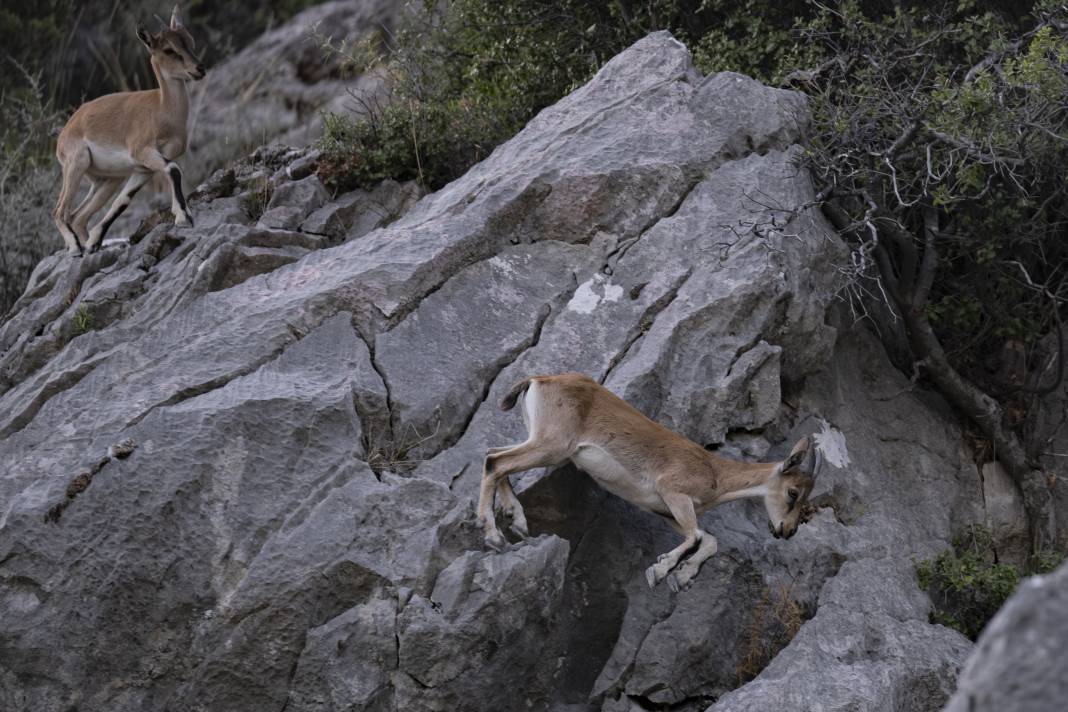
(174, 97)
(738, 480)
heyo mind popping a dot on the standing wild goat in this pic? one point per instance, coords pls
(572, 417)
(128, 136)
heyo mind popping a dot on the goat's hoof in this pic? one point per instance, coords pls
(495, 541)
(520, 531)
(650, 577)
(673, 583)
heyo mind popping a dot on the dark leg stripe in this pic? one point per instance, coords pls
(107, 223)
(176, 180)
(76, 240)
(126, 198)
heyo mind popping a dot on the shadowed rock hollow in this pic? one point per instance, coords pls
(311, 384)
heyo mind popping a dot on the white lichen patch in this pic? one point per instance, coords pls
(22, 602)
(592, 292)
(832, 445)
(505, 266)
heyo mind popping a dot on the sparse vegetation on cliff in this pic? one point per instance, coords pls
(967, 583)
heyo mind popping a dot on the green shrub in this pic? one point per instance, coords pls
(968, 586)
(465, 79)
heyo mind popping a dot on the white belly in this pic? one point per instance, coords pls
(111, 160)
(635, 487)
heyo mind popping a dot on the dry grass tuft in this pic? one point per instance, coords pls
(776, 620)
(384, 451)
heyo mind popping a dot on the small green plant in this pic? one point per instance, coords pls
(968, 585)
(83, 320)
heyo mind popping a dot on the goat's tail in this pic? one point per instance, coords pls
(508, 402)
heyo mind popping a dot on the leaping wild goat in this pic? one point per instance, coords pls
(128, 136)
(572, 417)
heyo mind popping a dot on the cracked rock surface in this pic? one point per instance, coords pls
(311, 384)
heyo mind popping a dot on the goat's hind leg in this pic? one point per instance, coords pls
(103, 190)
(74, 167)
(133, 184)
(510, 504)
(499, 464)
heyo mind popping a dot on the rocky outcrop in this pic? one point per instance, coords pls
(277, 87)
(1019, 661)
(311, 383)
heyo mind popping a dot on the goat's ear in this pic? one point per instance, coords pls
(798, 455)
(144, 36)
(176, 18)
(793, 462)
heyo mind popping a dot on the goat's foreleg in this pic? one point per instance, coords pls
(155, 161)
(686, 571)
(682, 511)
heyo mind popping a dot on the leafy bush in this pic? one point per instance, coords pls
(939, 138)
(967, 584)
(465, 79)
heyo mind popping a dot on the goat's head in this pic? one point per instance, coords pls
(172, 49)
(790, 486)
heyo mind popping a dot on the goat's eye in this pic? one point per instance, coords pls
(792, 495)
(171, 52)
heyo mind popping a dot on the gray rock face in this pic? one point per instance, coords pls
(312, 384)
(869, 647)
(481, 640)
(275, 88)
(1018, 663)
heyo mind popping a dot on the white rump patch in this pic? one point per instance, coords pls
(832, 444)
(592, 292)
